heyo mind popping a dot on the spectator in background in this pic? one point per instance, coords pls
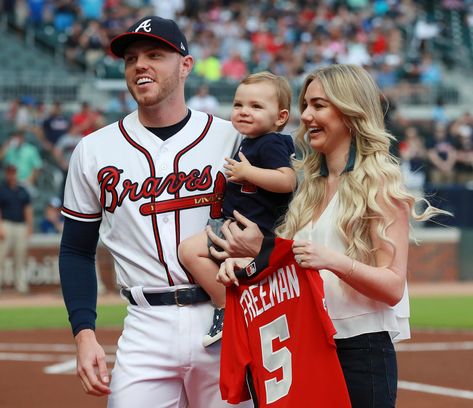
(91, 9)
(121, 103)
(24, 156)
(167, 9)
(263, 39)
(63, 149)
(464, 163)
(462, 125)
(393, 120)
(72, 47)
(357, 4)
(25, 114)
(442, 156)
(357, 53)
(387, 78)
(87, 120)
(430, 77)
(234, 38)
(424, 31)
(55, 125)
(410, 79)
(94, 42)
(36, 12)
(258, 61)
(430, 73)
(208, 67)
(413, 160)
(203, 101)
(39, 113)
(65, 14)
(115, 16)
(12, 110)
(65, 146)
(16, 225)
(234, 67)
(439, 115)
(378, 41)
(23, 118)
(7, 8)
(52, 221)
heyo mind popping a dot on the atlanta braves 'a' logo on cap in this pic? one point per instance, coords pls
(151, 28)
(145, 26)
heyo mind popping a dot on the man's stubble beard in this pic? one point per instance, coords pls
(164, 89)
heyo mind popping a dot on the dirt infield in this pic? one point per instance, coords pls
(37, 367)
(36, 370)
(25, 357)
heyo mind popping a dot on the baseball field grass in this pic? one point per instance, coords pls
(437, 312)
(51, 317)
(449, 312)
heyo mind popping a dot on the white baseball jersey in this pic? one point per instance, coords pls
(151, 194)
(148, 193)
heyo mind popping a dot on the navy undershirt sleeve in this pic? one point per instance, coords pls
(77, 272)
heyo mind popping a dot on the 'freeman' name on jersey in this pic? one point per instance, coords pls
(281, 285)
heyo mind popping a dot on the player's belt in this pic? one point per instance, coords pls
(179, 297)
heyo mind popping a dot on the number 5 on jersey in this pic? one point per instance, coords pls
(274, 360)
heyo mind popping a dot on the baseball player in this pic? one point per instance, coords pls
(143, 184)
(293, 363)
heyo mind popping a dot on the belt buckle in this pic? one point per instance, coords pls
(176, 296)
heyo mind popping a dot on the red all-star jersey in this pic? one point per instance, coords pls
(276, 325)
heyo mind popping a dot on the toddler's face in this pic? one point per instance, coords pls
(256, 109)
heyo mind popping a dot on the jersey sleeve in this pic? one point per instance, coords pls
(81, 200)
(258, 268)
(235, 354)
(278, 151)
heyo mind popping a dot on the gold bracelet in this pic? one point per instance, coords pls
(352, 269)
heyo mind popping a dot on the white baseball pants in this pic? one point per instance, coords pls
(161, 362)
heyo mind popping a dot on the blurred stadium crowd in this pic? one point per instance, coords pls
(410, 47)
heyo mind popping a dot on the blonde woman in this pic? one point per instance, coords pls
(349, 219)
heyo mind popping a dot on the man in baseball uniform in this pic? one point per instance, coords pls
(144, 184)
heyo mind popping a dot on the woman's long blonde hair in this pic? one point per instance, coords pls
(376, 172)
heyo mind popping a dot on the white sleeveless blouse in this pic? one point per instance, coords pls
(351, 312)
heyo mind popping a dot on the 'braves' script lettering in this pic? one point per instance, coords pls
(150, 187)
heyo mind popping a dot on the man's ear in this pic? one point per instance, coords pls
(187, 64)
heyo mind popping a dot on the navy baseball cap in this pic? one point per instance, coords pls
(151, 28)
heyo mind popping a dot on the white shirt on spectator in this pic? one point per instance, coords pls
(168, 8)
(206, 103)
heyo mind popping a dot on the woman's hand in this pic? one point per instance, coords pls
(226, 274)
(311, 255)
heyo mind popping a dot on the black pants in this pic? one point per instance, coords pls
(370, 368)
